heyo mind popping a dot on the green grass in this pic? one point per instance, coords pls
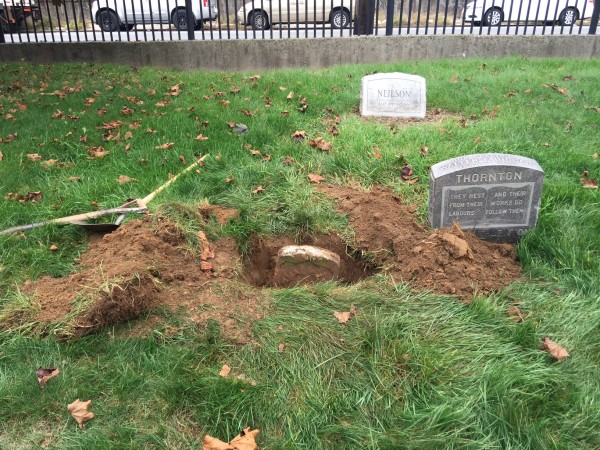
(412, 370)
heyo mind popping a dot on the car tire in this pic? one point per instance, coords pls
(340, 18)
(568, 17)
(126, 27)
(107, 21)
(259, 20)
(179, 19)
(199, 25)
(493, 17)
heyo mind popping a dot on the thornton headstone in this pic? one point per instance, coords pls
(495, 195)
(393, 95)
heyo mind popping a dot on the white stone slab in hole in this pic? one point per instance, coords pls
(393, 95)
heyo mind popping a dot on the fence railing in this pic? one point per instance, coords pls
(161, 20)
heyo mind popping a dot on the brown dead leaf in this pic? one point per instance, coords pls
(314, 178)
(201, 138)
(165, 146)
(1, 156)
(127, 111)
(345, 316)
(110, 125)
(53, 248)
(288, 161)
(79, 411)
(34, 157)
(49, 162)
(125, 179)
(320, 143)
(376, 153)
(174, 90)
(514, 312)
(97, 152)
(73, 179)
(9, 138)
(258, 189)
(588, 183)
(454, 79)
(560, 90)
(299, 135)
(43, 375)
(290, 95)
(424, 150)
(557, 352)
(246, 440)
(225, 371)
(595, 156)
(281, 348)
(256, 153)
(407, 172)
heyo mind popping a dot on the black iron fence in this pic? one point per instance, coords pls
(156, 20)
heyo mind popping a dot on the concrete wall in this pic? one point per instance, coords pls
(305, 53)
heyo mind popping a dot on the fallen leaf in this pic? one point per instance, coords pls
(558, 352)
(246, 440)
(299, 135)
(34, 157)
(201, 138)
(225, 371)
(127, 111)
(589, 184)
(320, 143)
(256, 153)
(174, 90)
(240, 128)
(424, 150)
(342, 317)
(182, 159)
(79, 411)
(258, 189)
(110, 125)
(376, 152)
(206, 266)
(125, 179)
(53, 248)
(514, 312)
(454, 79)
(288, 161)
(165, 146)
(49, 162)
(97, 152)
(290, 95)
(407, 172)
(1, 156)
(314, 178)
(73, 179)
(281, 348)
(560, 90)
(477, 140)
(43, 375)
(413, 180)
(595, 156)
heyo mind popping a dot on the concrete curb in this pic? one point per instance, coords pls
(237, 55)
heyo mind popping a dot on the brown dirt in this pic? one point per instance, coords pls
(432, 116)
(445, 261)
(148, 263)
(143, 265)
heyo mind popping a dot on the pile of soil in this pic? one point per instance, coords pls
(145, 264)
(445, 261)
(149, 263)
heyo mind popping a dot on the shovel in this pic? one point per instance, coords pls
(80, 219)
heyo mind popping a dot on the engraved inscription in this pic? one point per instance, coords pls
(393, 95)
(487, 206)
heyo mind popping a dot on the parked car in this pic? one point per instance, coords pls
(261, 14)
(113, 15)
(494, 12)
(14, 13)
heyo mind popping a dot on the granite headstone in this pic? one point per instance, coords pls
(393, 95)
(495, 195)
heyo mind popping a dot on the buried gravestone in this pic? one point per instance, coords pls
(497, 196)
(392, 95)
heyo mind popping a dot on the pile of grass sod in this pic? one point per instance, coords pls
(412, 370)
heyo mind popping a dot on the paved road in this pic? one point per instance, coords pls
(170, 34)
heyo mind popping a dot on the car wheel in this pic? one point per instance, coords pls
(126, 27)
(493, 17)
(107, 21)
(199, 25)
(340, 18)
(259, 20)
(568, 16)
(179, 19)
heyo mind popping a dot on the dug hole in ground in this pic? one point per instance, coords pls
(148, 263)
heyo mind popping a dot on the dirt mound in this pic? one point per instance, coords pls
(149, 263)
(144, 264)
(446, 261)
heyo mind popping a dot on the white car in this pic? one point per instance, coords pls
(494, 12)
(260, 14)
(113, 15)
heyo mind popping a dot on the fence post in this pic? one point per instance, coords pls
(2, 41)
(189, 17)
(365, 15)
(389, 20)
(595, 14)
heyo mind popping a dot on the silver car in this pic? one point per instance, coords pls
(494, 12)
(261, 14)
(113, 15)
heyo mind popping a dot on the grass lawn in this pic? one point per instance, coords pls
(414, 369)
